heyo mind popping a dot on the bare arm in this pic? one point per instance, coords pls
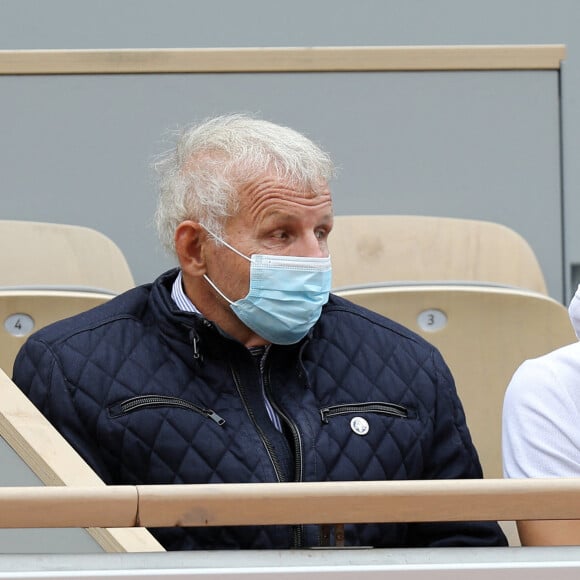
(550, 533)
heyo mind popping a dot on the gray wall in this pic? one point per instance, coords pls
(70, 175)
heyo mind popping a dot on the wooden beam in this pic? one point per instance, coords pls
(290, 503)
(68, 507)
(281, 59)
(358, 502)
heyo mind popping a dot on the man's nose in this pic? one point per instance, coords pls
(312, 246)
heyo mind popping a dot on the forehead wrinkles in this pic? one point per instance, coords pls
(266, 195)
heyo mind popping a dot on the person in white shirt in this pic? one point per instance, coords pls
(541, 433)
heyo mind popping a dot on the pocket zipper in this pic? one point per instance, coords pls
(390, 409)
(140, 402)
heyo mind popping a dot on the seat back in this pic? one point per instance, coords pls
(401, 248)
(22, 312)
(51, 271)
(484, 334)
(38, 254)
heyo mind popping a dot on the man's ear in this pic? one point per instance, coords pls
(190, 238)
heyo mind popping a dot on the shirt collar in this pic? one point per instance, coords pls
(180, 297)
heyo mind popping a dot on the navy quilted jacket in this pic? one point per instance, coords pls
(151, 395)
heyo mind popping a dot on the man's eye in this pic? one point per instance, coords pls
(321, 234)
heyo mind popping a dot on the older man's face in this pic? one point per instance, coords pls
(274, 218)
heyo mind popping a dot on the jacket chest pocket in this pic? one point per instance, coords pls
(376, 407)
(373, 421)
(374, 440)
(144, 402)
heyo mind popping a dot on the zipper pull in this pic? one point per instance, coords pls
(323, 415)
(215, 417)
(195, 344)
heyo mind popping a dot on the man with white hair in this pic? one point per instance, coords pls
(240, 366)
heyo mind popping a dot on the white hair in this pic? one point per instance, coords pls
(200, 177)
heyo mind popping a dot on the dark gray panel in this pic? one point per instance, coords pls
(467, 144)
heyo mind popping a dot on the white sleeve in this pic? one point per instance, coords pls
(541, 424)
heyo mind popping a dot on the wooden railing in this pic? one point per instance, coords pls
(289, 503)
(282, 59)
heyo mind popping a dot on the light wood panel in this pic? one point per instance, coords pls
(282, 59)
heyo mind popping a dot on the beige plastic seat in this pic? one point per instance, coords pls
(387, 249)
(59, 256)
(51, 271)
(22, 312)
(52, 459)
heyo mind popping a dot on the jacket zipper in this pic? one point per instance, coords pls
(268, 446)
(297, 530)
(391, 409)
(143, 401)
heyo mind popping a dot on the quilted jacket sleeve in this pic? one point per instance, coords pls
(453, 456)
(39, 375)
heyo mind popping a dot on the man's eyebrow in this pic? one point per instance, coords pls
(282, 215)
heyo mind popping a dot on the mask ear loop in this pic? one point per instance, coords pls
(207, 278)
(217, 289)
(216, 237)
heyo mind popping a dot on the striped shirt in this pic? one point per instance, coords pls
(185, 304)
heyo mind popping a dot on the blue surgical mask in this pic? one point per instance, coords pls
(286, 295)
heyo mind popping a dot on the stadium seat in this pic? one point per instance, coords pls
(394, 249)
